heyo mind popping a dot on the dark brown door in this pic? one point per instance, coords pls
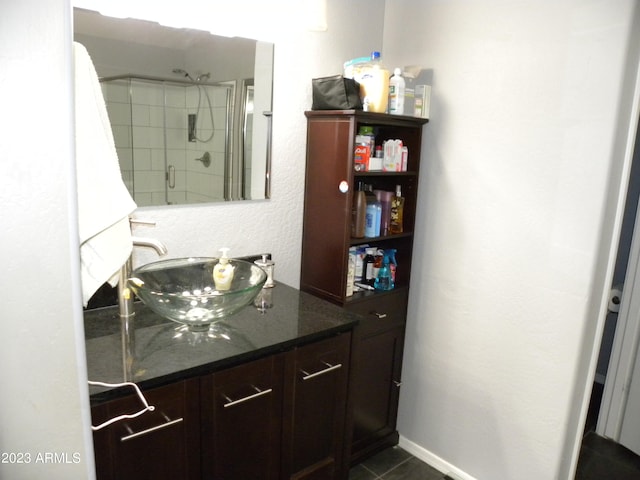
(242, 418)
(327, 208)
(375, 391)
(315, 399)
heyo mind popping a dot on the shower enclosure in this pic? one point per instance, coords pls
(173, 137)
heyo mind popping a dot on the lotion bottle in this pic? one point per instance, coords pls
(396, 93)
(373, 217)
(359, 213)
(223, 272)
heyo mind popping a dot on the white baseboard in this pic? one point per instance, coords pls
(433, 460)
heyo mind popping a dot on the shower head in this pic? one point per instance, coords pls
(179, 71)
(203, 76)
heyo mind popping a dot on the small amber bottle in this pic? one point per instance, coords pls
(397, 212)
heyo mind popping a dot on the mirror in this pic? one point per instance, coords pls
(190, 111)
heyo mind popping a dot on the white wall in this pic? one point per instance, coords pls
(43, 390)
(43, 394)
(514, 188)
(275, 225)
(512, 241)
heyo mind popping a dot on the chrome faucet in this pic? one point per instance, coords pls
(125, 299)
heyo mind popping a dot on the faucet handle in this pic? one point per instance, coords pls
(137, 221)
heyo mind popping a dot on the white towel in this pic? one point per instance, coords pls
(104, 203)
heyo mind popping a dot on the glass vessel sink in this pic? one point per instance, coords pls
(183, 290)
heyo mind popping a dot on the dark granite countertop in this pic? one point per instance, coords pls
(166, 352)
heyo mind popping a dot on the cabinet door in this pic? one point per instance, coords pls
(242, 417)
(375, 391)
(315, 402)
(163, 444)
(327, 207)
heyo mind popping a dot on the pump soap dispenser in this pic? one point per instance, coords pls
(223, 272)
(267, 266)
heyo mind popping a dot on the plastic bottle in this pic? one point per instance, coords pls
(367, 131)
(397, 212)
(373, 216)
(378, 206)
(374, 83)
(359, 213)
(385, 198)
(368, 263)
(383, 280)
(396, 93)
(223, 271)
(393, 264)
(377, 261)
(353, 66)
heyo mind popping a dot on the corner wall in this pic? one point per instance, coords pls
(44, 404)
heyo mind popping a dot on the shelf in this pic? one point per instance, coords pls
(380, 173)
(372, 118)
(362, 241)
(326, 228)
(369, 294)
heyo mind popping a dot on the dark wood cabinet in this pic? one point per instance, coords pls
(161, 444)
(331, 181)
(315, 419)
(282, 416)
(241, 421)
(376, 390)
(375, 386)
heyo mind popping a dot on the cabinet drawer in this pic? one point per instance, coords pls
(381, 312)
(170, 431)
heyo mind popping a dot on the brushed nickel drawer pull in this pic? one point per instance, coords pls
(397, 383)
(330, 368)
(152, 429)
(379, 315)
(231, 403)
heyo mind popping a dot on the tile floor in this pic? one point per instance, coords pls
(394, 464)
(600, 459)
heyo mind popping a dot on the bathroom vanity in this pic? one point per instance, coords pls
(263, 395)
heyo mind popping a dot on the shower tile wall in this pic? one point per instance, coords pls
(140, 139)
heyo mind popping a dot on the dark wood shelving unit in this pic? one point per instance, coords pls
(379, 338)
